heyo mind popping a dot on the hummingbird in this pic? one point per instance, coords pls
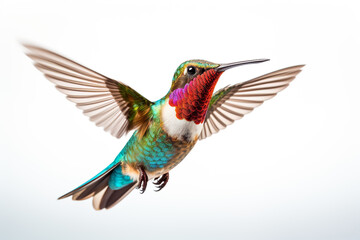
(164, 131)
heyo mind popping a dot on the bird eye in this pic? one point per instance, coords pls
(191, 70)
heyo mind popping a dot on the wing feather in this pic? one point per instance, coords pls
(110, 104)
(233, 102)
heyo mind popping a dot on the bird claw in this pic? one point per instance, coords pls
(161, 181)
(143, 179)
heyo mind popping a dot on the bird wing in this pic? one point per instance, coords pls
(233, 102)
(110, 104)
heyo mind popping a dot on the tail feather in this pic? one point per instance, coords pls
(92, 181)
(92, 189)
(107, 188)
(107, 198)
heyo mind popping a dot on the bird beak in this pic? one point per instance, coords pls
(227, 66)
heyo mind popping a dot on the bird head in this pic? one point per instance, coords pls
(193, 85)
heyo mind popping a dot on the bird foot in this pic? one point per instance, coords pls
(143, 179)
(161, 181)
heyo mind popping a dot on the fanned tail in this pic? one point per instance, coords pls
(107, 198)
(107, 188)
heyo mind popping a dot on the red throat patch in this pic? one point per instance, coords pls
(191, 102)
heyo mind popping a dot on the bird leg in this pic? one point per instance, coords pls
(143, 179)
(161, 181)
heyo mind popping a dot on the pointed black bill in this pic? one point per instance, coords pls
(227, 66)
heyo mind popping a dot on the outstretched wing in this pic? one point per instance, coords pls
(110, 104)
(233, 102)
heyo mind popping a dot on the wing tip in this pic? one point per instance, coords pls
(290, 73)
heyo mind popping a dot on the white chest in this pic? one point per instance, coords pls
(181, 129)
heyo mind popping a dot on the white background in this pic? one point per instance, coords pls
(289, 170)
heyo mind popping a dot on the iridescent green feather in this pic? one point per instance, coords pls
(197, 63)
(138, 106)
(219, 95)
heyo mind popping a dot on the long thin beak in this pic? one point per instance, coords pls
(227, 66)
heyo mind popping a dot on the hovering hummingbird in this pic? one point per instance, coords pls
(165, 130)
